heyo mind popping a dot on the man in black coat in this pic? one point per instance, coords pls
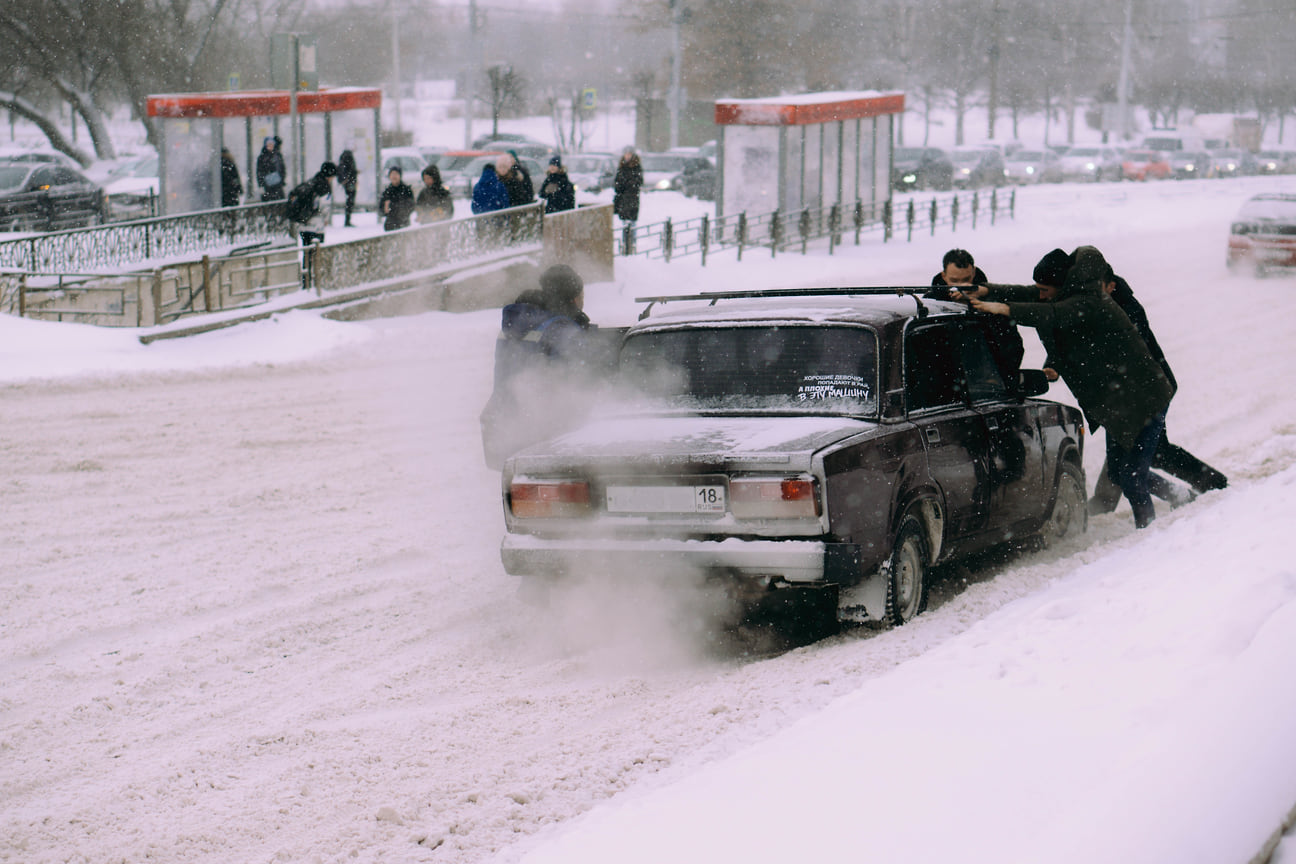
(1170, 458)
(959, 268)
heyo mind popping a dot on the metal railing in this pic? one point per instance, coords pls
(120, 244)
(784, 231)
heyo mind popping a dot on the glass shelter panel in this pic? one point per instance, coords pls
(868, 192)
(191, 150)
(793, 164)
(812, 178)
(751, 160)
(354, 131)
(832, 170)
(850, 161)
(882, 159)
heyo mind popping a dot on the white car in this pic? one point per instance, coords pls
(1096, 162)
(132, 188)
(1033, 166)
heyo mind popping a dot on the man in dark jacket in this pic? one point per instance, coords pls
(1103, 360)
(556, 188)
(270, 173)
(959, 268)
(543, 366)
(1170, 458)
(231, 183)
(397, 201)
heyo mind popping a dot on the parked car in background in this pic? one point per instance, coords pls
(1232, 162)
(1033, 166)
(914, 168)
(24, 154)
(664, 171)
(409, 159)
(1145, 165)
(1263, 234)
(708, 150)
(1101, 162)
(480, 142)
(784, 446)
(431, 155)
(590, 172)
(698, 179)
(132, 189)
(45, 196)
(976, 167)
(1276, 162)
(454, 165)
(1189, 164)
(530, 149)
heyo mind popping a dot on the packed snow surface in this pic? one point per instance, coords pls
(252, 609)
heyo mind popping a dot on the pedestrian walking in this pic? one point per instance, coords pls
(310, 204)
(348, 177)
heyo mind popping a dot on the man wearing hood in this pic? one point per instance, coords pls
(270, 173)
(1099, 354)
(556, 188)
(517, 180)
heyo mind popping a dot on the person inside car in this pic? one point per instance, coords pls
(1099, 354)
(959, 268)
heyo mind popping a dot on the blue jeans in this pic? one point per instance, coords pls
(1130, 469)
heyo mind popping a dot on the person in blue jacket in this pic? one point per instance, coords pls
(545, 363)
(489, 194)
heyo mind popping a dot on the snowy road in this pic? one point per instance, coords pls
(256, 613)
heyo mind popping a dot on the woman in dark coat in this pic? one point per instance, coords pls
(556, 188)
(434, 202)
(626, 186)
(270, 173)
(397, 202)
(231, 183)
(348, 175)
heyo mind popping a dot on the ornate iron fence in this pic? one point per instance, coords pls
(121, 244)
(783, 231)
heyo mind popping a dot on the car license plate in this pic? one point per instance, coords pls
(666, 499)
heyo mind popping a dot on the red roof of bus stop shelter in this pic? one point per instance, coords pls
(807, 109)
(261, 103)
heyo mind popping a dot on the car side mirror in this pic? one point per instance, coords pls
(1033, 382)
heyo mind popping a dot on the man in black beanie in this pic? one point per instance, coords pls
(1101, 357)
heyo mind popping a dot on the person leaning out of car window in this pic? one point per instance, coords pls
(1099, 354)
(959, 268)
(546, 366)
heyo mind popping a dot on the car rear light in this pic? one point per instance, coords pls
(773, 498)
(549, 499)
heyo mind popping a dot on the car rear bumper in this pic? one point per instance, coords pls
(802, 561)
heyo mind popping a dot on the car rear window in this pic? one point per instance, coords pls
(12, 176)
(1268, 210)
(790, 368)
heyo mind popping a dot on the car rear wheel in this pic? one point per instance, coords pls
(1070, 516)
(906, 572)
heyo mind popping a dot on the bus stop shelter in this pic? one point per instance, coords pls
(317, 128)
(809, 151)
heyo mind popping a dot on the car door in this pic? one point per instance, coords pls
(1015, 451)
(953, 433)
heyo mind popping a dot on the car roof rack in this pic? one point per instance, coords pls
(904, 290)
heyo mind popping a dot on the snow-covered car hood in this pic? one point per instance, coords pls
(638, 440)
